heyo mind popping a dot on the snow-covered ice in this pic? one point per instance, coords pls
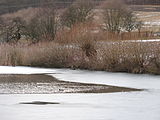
(113, 106)
(130, 41)
(144, 105)
(116, 79)
(151, 40)
(152, 23)
(85, 76)
(23, 70)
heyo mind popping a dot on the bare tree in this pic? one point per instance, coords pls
(129, 21)
(114, 16)
(79, 11)
(49, 22)
(44, 25)
(1, 28)
(139, 25)
(118, 17)
(12, 30)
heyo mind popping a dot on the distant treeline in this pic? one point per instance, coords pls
(8, 6)
(143, 2)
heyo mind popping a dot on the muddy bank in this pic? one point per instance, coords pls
(44, 84)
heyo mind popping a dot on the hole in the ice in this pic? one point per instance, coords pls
(39, 103)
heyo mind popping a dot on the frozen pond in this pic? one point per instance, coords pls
(111, 106)
(143, 105)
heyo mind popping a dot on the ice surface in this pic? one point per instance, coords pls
(144, 105)
(151, 40)
(85, 76)
(117, 79)
(24, 70)
(152, 23)
(112, 106)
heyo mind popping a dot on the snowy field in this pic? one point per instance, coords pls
(144, 105)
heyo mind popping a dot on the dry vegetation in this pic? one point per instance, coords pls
(87, 53)
(79, 43)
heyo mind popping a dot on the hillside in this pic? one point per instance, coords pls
(143, 2)
(8, 6)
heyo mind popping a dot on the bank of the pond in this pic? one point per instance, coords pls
(139, 56)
